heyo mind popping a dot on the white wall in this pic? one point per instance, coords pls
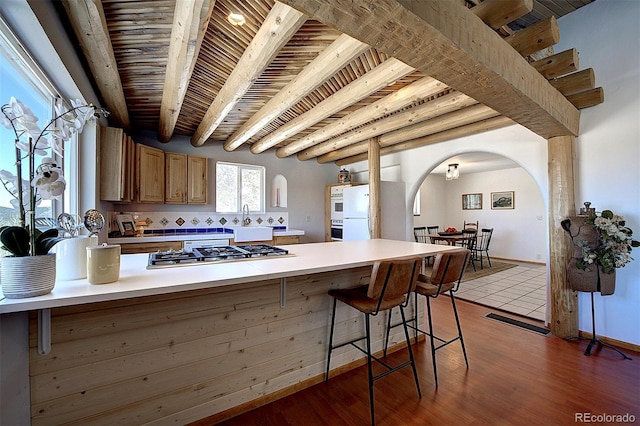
(519, 233)
(606, 34)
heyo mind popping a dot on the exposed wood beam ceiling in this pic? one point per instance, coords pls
(320, 78)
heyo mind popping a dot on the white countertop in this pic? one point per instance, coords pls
(193, 237)
(136, 281)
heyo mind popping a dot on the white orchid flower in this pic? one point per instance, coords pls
(48, 180)
(21, 110)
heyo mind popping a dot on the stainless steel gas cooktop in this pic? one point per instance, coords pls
(206, 255)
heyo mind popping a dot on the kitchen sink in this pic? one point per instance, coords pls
(243, 234)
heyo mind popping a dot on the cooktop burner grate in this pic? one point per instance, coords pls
(205, 255)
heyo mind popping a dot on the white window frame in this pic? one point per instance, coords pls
(240, 168)
(32, 70)
(28, 68)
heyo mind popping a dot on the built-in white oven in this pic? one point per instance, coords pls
(337, 203)
(336, 230)
(337, 207)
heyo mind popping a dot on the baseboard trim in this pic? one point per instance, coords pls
(530, 262)
(612, 342)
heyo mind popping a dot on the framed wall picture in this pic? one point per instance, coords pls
(502, 200)
(471, 201)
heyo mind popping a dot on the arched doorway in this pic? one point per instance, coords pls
(520, 230)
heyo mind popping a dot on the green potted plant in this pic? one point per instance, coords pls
(27, 244)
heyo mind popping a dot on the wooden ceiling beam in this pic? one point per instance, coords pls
(447, 135)
(404, 97)
(279, 26)
(587, 98)
(556, 65)
(476, 61)
(328, 62)
(420, 113)
(536, 37)
(439, 124)
(190, 21)
(497, 13)
(379, 77)
(90, 26)
(577, 82)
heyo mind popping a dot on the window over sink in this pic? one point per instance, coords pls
(237, 185)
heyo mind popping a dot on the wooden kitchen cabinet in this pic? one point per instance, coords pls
(185, 179)
(149, 174)
(197, 172)
(135, 248)
(175, 186)
(286, 239)
(117, 152)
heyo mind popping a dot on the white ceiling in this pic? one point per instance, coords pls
(475, 162)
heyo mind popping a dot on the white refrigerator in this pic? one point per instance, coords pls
(392, 209)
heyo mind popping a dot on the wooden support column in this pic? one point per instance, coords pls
(375, 219)
(563, 301)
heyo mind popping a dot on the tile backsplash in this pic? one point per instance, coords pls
(197, 222)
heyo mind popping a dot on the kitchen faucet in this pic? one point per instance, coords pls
(245, 215)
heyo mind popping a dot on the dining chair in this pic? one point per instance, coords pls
(482, 246)
(470, 242)
(445, 277)
(470, 225)
(420, 234)
(390, 285)
(433, 230)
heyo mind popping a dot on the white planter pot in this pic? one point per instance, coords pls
(27, 276)
(71, 257)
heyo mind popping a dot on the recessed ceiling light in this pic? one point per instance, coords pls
(236, 19)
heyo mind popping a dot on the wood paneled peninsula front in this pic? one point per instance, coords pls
(179, 344)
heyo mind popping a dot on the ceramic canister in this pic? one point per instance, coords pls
(103, 264)
(71, 259)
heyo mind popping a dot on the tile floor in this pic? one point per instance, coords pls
(520, 290)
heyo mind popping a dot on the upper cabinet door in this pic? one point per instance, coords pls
(175, 187)
(197, 187)
(112, 169)
(149, 174)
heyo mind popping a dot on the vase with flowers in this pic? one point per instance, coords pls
(44, 181)
(601, 244)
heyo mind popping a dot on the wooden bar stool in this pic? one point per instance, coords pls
(447, 272)
(390, 285)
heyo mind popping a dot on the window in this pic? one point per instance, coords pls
(416, 204)
(25, 80)
(22, 79)
(237, 185)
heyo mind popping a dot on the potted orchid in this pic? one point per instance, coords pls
(45, 180)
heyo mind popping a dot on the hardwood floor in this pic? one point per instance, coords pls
(515, 377)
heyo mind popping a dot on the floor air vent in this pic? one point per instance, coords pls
(517, 323)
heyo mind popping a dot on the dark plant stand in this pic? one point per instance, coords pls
(594, 339)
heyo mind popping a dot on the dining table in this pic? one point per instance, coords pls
(451, 239)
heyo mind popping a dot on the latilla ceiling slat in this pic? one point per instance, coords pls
(140, 32)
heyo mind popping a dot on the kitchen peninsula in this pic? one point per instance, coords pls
(180, 344)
